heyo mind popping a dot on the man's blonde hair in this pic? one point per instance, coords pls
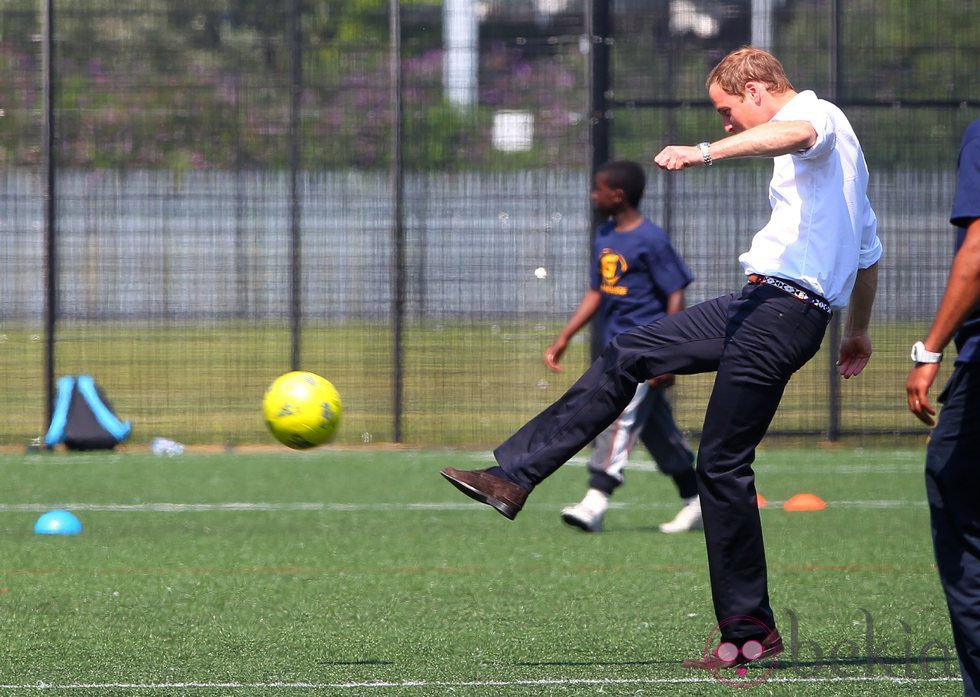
(749, 65)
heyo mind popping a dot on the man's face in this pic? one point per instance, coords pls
(738, 113)
(605, 199)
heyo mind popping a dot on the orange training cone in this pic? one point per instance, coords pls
(805, 502)
(760, 500)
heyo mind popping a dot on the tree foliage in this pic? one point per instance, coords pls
(178, 84)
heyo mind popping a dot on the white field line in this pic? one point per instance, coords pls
(169, 507)
(380, 684)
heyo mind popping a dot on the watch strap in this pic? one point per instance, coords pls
(921, 355)
(705, 149)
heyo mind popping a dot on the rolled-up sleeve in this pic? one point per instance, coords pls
(871, 248)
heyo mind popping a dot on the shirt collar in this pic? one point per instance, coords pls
(802, 101)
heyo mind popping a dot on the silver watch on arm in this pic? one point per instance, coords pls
(705, 149)
(920, 355)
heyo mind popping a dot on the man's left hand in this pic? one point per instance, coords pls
(855, 352)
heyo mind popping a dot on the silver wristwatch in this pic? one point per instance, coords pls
(705, 149)
(920, 355)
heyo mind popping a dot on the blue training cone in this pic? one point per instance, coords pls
(58, 523)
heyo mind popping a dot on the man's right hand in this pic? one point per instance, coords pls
(917, 386)
(553, 354)
(675, 157)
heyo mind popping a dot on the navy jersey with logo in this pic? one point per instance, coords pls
(635, 272)
(966, 209)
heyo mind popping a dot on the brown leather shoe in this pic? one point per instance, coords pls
(508, 498)
(719, 659)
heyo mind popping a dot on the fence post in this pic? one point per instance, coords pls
(50, 208)
(295, 212)
(833, 393)
(397, 227)
(599, 30)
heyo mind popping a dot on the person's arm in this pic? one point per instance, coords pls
(675, 303)
(855, 346)
(769, 139)
(586, 309)
(960, 299)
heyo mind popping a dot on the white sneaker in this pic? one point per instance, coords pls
(588, 514)
(688, 518)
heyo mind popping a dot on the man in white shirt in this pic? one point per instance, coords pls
(819, 252)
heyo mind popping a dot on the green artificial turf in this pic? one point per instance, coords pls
(363, 572)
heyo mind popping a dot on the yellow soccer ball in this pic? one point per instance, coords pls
(302, 410)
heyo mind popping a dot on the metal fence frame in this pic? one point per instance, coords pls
(600, 40)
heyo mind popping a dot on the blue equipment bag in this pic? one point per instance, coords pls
(83, 419)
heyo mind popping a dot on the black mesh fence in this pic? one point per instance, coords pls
(226, 206)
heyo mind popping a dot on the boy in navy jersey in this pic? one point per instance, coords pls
(636, 278)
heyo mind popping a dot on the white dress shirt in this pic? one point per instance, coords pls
(822, 227)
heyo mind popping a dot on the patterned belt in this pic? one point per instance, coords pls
(801, 294)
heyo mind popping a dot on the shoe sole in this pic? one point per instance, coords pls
(578, 523)
(507, 510)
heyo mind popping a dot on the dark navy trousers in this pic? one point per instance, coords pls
(755, 340)
(953, 488)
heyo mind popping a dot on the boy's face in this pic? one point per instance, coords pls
(605, 199)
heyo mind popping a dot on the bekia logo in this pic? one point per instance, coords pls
(889, 651)
(729, 660)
